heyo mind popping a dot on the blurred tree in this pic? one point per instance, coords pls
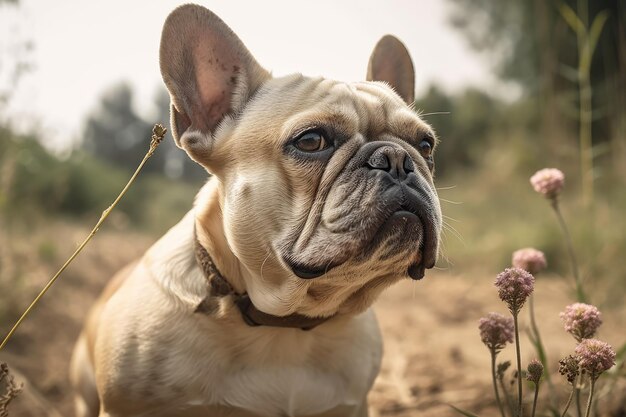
(466, 122)
(530, 43)
(437, 108)
(15, 58)
(116, 133)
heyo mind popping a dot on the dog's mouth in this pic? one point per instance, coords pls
(307, 272)
(406, 223)
(396, 231)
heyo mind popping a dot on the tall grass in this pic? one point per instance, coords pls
(587, 40)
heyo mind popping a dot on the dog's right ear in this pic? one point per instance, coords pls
(390, 62)
(209, 74)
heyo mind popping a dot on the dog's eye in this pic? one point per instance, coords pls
(311, 142)
(426, 149)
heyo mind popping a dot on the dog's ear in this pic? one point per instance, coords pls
(390, 62)
(209, 74)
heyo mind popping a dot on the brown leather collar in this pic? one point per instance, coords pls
(219, 287)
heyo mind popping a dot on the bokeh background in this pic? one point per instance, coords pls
(510, 87)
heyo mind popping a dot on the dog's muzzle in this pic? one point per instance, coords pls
(415, 200)
(380, 206)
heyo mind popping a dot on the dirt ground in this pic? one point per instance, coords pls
(433, 354)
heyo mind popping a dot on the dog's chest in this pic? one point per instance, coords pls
(290, 391)
(320, 373)
(293, 376)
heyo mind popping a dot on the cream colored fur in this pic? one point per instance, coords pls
(145, 352)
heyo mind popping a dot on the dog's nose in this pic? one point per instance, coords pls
(396, 161)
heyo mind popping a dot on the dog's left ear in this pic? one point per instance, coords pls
(209, 74)
(390, 62)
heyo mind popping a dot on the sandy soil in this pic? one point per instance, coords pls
(433, 354)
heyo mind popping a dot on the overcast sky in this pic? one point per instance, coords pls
(82, 47)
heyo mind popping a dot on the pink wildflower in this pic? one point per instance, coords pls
(548, 181)
(529, 259)
(595, 356)
(568, 367)
(514, 286)
(534, 371)
(581, 320)
(496, 331)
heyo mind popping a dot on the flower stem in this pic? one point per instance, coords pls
(541, 351)
(580, 294)
(590, 400)
(158, 132)
(495, 384)
(569, 400)
(507, 397)
(535, 399)
(519, 366)
(579, 411)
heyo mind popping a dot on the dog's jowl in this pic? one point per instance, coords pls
(258, 303)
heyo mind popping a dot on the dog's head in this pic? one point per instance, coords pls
(326, 187)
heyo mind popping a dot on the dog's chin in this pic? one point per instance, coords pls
(398, 239)
(402, 228)
(401, 240)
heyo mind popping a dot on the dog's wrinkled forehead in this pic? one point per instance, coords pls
(294, 103)
(213, 80)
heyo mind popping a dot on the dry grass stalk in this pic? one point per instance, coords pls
(9, 389)
(158, 133)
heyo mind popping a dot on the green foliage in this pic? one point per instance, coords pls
(504, 30)
(37, 184)
(115, 133)
(47, 251)
(498, 212)
(546, 47)
(515, 33)
(470, 122)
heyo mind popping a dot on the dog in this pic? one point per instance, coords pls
(258, 302)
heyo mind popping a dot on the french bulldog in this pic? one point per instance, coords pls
(258, 303)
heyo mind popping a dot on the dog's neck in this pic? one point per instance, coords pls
(209, 226)
(213, 253)
(209, 223)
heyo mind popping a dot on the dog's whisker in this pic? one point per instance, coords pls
(454, 232)
(450, 227)
(327, 266)
(330, 262)
(447, 261)
(450, 201)
(443, 251)
(435, 113)
(451, 218)
(445, 188)
(421, 112)
(269, 253)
